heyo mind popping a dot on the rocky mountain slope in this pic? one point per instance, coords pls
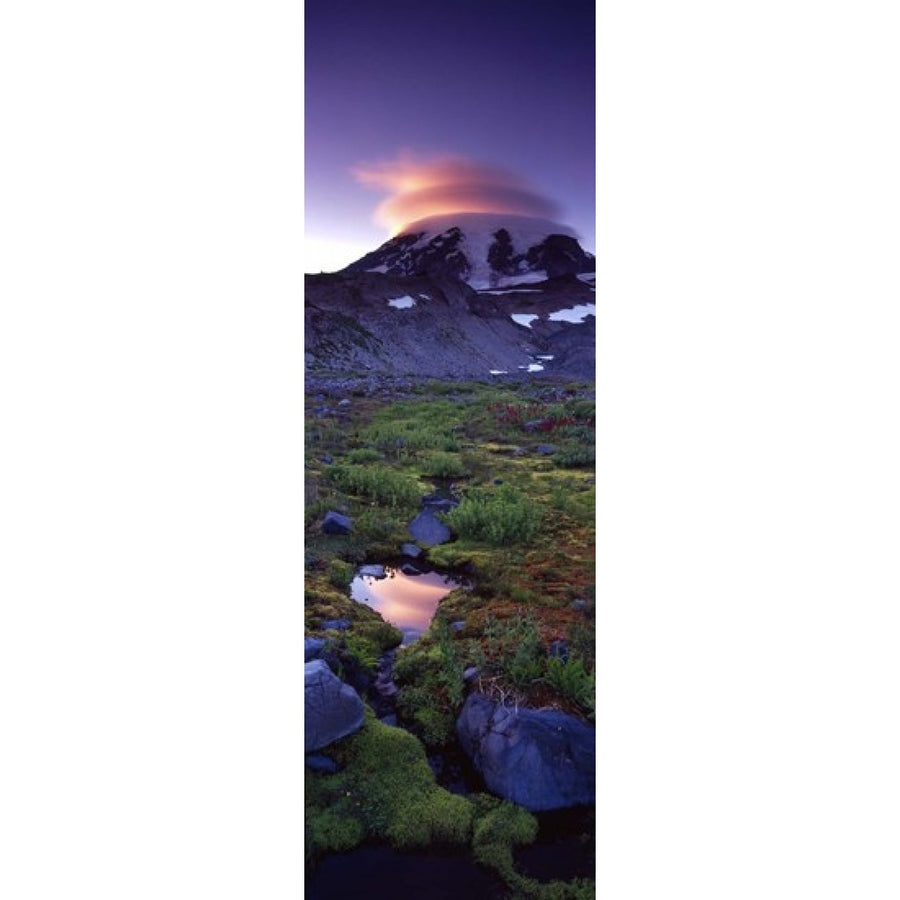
(436, 325)
(483, 249)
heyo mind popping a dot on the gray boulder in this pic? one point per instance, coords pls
(372, 571)
(426, 529)
(332, 709)
(540, 759)
(335, 625)
(337, 523)
(411, 550)
(312, 648)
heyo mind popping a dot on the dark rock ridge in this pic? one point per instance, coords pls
(540, 759)
(332, 709)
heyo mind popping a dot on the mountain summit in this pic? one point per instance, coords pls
(483, 249)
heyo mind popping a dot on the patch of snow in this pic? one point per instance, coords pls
(533, 367)
(575, 314)
(523, 319)
(545, 357)
(425, 296)
(404, 302)
(499, 372)
(382, 269)
(587, 277)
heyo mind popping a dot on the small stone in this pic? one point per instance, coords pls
(335, 624)
(372, 571)
(559, 650)
(458, 626)
(471, 673)
(498, 481)
(546, 449)
(411, 550)
(579, 605)
(390, 719)
(324, 765)
(327, 459)
(409, 569)
(344, 402)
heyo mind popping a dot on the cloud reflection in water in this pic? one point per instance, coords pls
(406, 601)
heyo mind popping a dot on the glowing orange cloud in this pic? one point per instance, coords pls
(449, 184)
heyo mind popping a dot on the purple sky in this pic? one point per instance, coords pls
(503, 86)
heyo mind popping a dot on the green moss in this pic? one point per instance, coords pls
(499, 827)
(330, 832)
(388, 791)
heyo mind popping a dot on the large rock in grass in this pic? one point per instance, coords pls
(540, 759)
(337, 523)
(332, 709)
(428, 530)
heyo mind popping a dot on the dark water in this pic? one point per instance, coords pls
(380, 873)
(565, 847)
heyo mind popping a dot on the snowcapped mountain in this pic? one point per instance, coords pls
(486, 250)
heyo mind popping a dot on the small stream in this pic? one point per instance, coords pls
(407, 596)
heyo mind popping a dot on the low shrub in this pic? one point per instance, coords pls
(364, 455)
(515, 646)
(572, 680)
(498, 517)
(340, 573)
(575, 457)
(442, 465)
(378, 483)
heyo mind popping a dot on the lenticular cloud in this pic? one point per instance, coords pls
(449, 184)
